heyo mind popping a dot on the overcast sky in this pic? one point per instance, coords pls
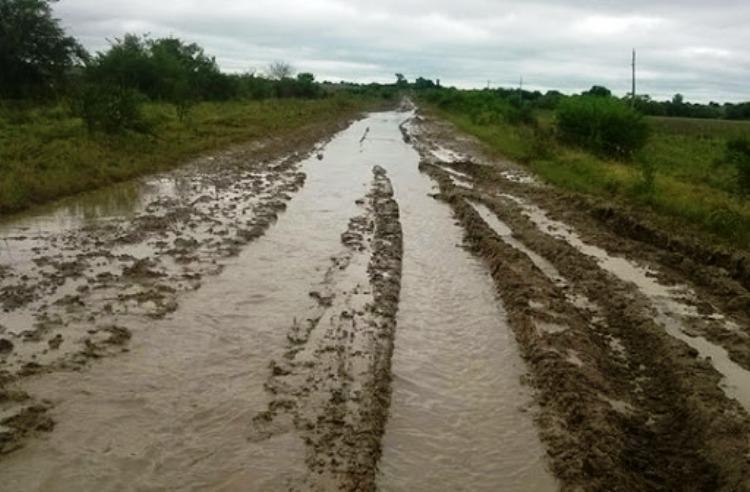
(698, 48)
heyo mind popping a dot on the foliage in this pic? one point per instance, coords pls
(165, 69)
(598, 91)
(676, 179)
(737, 154)
(602, 124)
(111, 109)
(35, 52)
(46, 153)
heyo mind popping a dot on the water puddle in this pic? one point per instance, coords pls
(668, 302)
(446, 155)
(506, 234)
(456, 420)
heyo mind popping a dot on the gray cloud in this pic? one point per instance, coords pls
(693, 47)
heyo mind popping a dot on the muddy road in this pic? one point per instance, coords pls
(374, 306)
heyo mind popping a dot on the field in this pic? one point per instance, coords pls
(45, 153)
(692, 189)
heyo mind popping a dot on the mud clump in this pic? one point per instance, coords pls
(29, 420)
(6, 346)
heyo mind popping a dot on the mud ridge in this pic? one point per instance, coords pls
(332, 388)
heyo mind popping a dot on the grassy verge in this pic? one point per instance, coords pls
(46, 154)
(692, 191)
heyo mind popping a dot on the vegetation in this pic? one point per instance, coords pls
(35, 53)
(602, 124)
(691, 174)
(46, 153)
(70, 121)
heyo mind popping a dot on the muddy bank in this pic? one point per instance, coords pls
(74, 277)
(332, 387)
(626, 405)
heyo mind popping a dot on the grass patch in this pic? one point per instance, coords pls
(45, 153)
(692, 190)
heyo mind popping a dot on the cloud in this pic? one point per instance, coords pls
(690, 46)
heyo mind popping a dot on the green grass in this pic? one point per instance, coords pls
(46, 154)
(693, 192)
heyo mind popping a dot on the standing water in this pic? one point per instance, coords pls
(175, 412)
(456, 419)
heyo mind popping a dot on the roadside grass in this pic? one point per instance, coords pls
(692, 190)
(46, 154)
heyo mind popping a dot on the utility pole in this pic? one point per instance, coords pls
(632, 94)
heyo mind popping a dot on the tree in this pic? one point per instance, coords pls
(280, 70)
(164, 69)
(401, 80)
(423, 83)
(35, 52)
(599, 91)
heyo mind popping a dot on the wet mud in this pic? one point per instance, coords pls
(74, 276)
(635, 391)
(332, 386)
(383, 309)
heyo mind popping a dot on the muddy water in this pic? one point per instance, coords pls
(175, 412)
(673, 305)
(456, 420)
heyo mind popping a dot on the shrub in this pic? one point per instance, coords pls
(110, 109)
(604, 125)
(737, 153)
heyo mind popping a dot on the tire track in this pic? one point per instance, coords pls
(332, 388)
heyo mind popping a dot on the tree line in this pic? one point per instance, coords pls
(40, 62)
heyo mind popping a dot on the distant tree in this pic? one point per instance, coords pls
(35, 52)
(422, 83)
(280, 70)
(306, 86)
(401, 80)
(678, 99)
(599, 91)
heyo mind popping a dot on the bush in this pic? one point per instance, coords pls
(737, 153)
(110, 109)
(604, 125)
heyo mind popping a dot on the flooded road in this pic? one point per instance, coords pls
(379, 306)
(274, 357)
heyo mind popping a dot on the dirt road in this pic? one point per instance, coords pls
(376, 307)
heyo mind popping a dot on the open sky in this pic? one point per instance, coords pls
(695, 47)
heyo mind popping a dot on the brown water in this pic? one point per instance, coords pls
(457, 418)
(175, 412)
